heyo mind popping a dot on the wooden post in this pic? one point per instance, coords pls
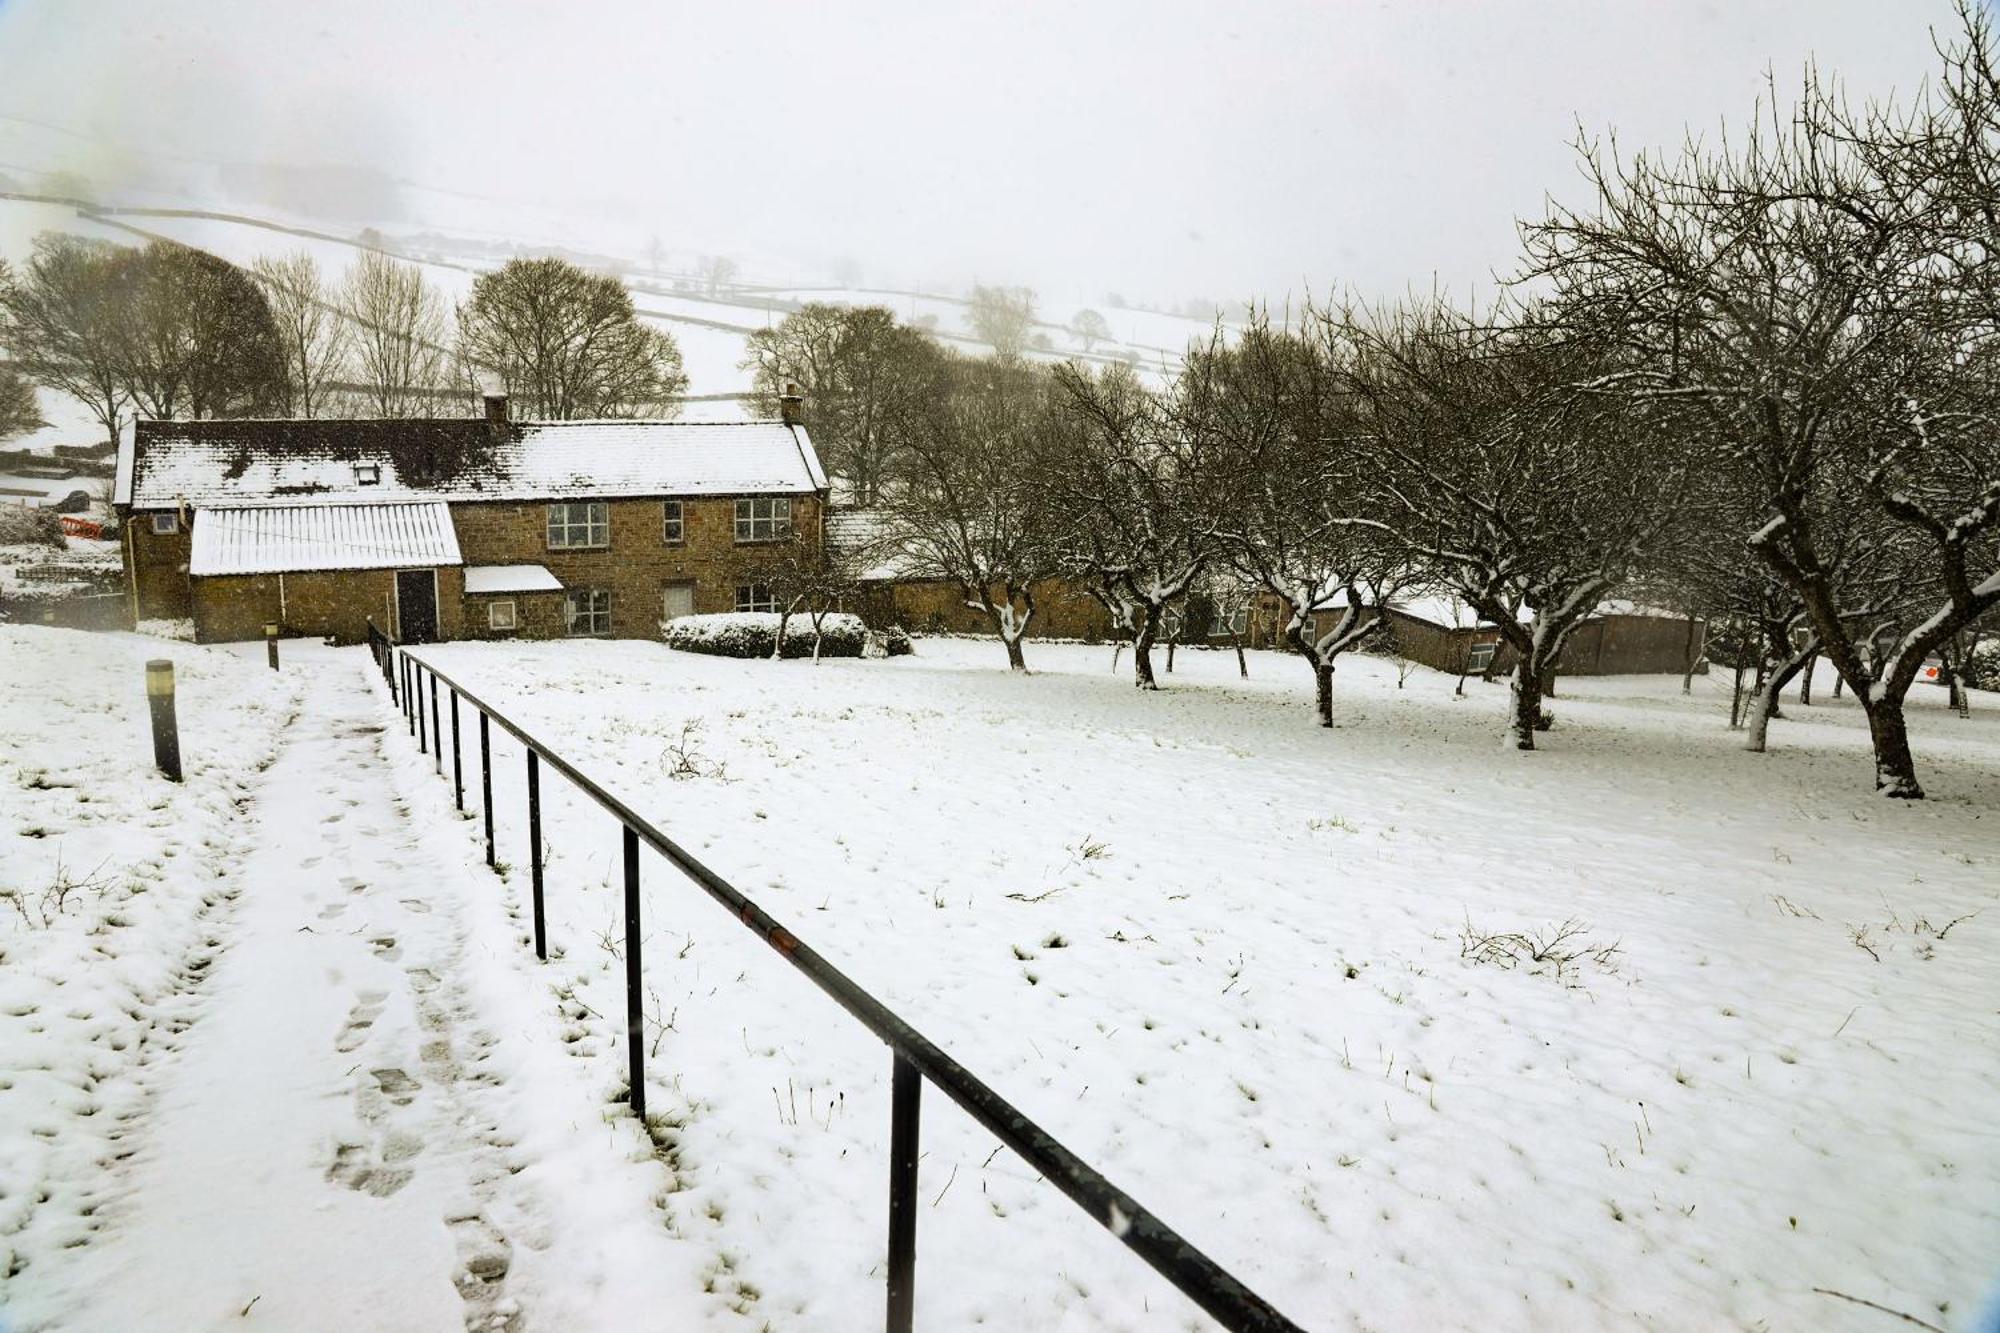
(166, 734)
(271, 643)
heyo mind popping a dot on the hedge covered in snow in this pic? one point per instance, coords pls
(751, 633)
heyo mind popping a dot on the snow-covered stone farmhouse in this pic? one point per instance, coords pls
(459, 528)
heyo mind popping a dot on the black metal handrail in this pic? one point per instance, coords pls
(916, 1057)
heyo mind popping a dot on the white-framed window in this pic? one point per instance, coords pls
(673, 526)
(165, 524)
(1239, 619)
(501, 615)
(755, 597)
(575, 525)
(764, 518)
(1478, 656)
(367, 474)
(587, 611)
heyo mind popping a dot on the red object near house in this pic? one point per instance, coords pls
(73, 526)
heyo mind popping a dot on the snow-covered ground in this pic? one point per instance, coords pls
(1237, 963)
(1255, 971)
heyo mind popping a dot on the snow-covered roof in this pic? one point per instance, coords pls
(510, 578)
(355, 462)
(868, 538)
(272, 539)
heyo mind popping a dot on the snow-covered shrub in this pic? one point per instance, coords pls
(24, 525)
(897, 641)
(751, 634)
(180, 630)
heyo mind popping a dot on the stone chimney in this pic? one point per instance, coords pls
(496, 408)
(792, 406)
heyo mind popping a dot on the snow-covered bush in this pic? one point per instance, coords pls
(897, 641)
(24, 525)
(751, 634)
(179, 630)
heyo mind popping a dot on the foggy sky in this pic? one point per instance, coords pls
(1160, 150)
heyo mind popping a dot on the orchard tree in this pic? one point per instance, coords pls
(869, 384)
(1265, 408)
(971, 508)
(569, 344)
(1130, 500)
(311, 329)
(60, 321)
(1822, 291)
(400, 332)
(1500, 475)
(1003, 317)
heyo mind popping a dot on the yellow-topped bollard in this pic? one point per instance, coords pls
(271, 643)
(166, 735)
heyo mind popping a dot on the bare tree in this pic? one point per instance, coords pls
(868, 380)
(1089, 328)
(1502, 480)
(1265, 405)
(401, 335)
(196, 336)
(1130, 499)
(1822, 291)
(971, 508)
(60, 321)
(311, 329)
(569, 344)
(809, 578)
(1003, 317)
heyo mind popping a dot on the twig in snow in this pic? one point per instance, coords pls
(1906, 1318)
(947, 1185)
(1845, 1021)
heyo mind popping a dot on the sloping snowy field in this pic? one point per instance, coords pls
(1280, 983)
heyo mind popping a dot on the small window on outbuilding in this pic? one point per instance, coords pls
(367, 474)
(500, 615)
(1478, 656)
(674, 527)
(165, 524)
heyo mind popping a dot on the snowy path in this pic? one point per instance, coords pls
(327, 1150)
(317, 1159)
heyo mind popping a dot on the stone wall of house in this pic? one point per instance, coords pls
(537, 615)
(335, 604)
(937, 606)
(636, 566)
(158, 563)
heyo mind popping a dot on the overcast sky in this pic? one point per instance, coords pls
(1160, 150)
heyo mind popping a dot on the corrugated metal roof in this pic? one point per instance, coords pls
(324, 462)
(270, 539)
(510, 578)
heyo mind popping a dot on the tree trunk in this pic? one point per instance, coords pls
(1895, 768)
(1806, 679)
(1736, 696)
(1170, 655)
(1015, 661)
(1242, 662)
(1687, 673)
(1323, 692)
(1142, 649)
(778, 640)
(1764, 706)
(1961, 702)
(1838, 679)
(1526, 688)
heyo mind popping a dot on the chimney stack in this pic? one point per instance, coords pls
(496, 409)
(792, 406)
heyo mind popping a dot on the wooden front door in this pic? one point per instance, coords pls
(416, 606)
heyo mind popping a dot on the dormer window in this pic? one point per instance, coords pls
(367, 474)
